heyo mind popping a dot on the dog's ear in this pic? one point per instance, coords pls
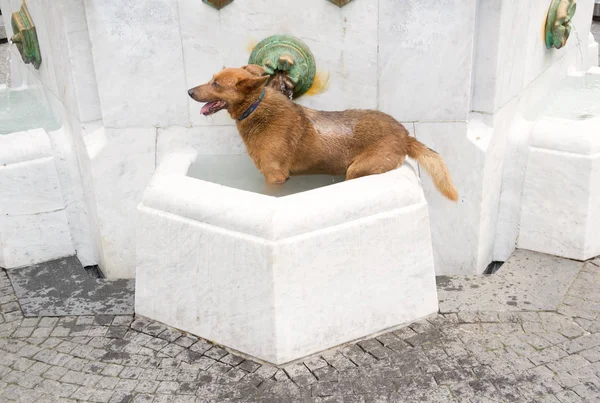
(251, 83)
(254, 69)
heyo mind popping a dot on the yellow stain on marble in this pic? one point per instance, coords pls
(320, 83)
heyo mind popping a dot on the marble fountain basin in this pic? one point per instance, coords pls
(31, 195)
(561, 195)
(281, 276)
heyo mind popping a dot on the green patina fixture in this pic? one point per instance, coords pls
(218, 4)
(558, 22)
(340, 3)
(288, 55)
(25, 36)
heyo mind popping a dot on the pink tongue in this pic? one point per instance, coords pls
(206, 108)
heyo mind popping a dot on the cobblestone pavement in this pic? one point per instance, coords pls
(488, 356)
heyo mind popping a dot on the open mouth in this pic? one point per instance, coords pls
(213, 107)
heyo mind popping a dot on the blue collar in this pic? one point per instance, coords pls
(252, 107)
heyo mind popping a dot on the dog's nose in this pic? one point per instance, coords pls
(191, 92)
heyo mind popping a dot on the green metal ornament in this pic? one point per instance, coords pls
(558, 22)
(340, 3)
(218, 4)
(25, 37)
(287, 54)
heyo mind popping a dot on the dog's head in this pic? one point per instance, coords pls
(228, 88)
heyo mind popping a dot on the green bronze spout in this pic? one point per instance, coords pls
(288, 61)
(558, 22)
(25, 37)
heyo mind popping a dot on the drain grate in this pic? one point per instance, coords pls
(94, 271)
(493, 267)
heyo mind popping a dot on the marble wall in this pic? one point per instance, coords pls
(34, 223)
(511, 53)
(460, 74)
(512, 75)
(66, 83)
(146, 55)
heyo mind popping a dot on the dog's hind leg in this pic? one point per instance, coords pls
(375, 160)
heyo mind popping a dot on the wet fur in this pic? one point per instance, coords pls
(284, 138)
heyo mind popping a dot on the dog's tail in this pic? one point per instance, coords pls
(435, 167)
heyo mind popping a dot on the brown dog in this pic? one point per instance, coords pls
(284, 138)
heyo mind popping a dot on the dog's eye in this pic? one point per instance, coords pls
(215, 84)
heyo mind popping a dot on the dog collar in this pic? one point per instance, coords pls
(253, 106)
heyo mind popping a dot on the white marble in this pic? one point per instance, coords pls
(138, 60)
(527, 110)
(121, 169)
(455, 227)
(513, 176)
(83, 74)
(510, 51)
(592, 51)
(520, 23)
(33, 223)
(66, 156)
(24, 243)
(198, 139)
(46, 37)
(30, 187)
(561, 204)
(486, 44)
(81, 133)
(425, 58)
(65, 146)
(463, 233)
(293, 262)
(28, 178)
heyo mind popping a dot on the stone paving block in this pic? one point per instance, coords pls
(527, 281)
(235, 374)
(126, 385)
(588, 391)
(168, 374)
(581, 343)
(107, 382)
(147, 386)
(231, 359)
(122, 320)
(546, 355)
(568, 396)
(315, 363)
(83, 393)
(121, 397)
(266, 371)
(218, 368)
(338, 361)
(249, 366)
(216, 353)
(172, 350)
(300, 374)
(143, 398)
(183, 341)
(568, 364)
(102, 396)
(168, 387)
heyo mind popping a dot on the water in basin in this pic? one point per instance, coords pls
(238, 171)
(576, 98)
(21, 110)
